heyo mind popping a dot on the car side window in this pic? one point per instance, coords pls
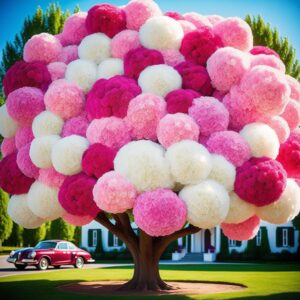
(71, 246)
(62, 246)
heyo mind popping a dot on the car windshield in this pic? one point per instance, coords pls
(45, 245)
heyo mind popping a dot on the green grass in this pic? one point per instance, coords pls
(7, 249)
(264, 281)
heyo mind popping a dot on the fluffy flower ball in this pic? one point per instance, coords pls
(110, 97)
(234, 32)
(67, 154)
(47, 123)
(139, 11)
(40, 150)
(110, 68)
(261, 139)
(195, 77)
(97, 160)
(25, 164)
(20, 100)
(57, 70)
(180, 100)
(207, 203)
(8, 126)
(239, 210)
(172, 57)
(20, 213)
(187, 26)
(123, 42)
(231, 145)
(76, 195)
(12, 180)
(159, 80)
(160, 212)
(8, 146)
(51, 177)
(113, 193)
(143, 115)
(210, 115)
(105, 18)
(242, 231)
(42, 47)
(291, 114)
(77, 125)
(136, 60)
(286, 208)
(222, 171)
(77, 220)
(65, 99)
(95, 47)
(263, 50)
(289, 155)
(189, 162)
(23, 136)
(174, 128)
(295, 87)
(43, 201)
(143, 164)
(198, 20)
(112, 132)
(267, 60)
(197, 46)
(280, 126)
(260, 181)
(74, 28)
(267, 88)
(68, 54)
(161, 32)
(24, 74)
(226, 67)
(82, 72)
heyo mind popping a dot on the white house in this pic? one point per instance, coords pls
(203, 245)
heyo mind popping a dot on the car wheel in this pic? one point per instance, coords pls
(79, 263)
(43, 264)
(20, 267)
(56, 267)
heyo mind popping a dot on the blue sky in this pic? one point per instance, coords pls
(284, 14)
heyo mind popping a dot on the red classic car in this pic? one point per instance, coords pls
(50, 253)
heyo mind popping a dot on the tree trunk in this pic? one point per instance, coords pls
(145, 250)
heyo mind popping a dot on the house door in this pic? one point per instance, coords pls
(207, 240)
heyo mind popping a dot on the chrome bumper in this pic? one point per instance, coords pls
(90, 260)
(29, 260)
(11, 260)
(21, 262)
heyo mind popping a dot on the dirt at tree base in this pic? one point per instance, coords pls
(106, 288)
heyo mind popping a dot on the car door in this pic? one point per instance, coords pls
(64, 255)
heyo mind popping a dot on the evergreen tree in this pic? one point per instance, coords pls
(77, 236)
(62, 230)
(6, 223)
(32, 236)
(224, 251)
(16, 237)
(48, 230)
(264, 35)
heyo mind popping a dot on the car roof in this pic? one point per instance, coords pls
(56, 241)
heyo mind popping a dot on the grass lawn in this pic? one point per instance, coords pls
(7, 249)
(264, 281)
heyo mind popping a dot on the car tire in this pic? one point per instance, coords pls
(43, 264)
(79, 263)
(20, 267)
(57, 267)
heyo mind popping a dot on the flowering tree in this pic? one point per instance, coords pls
(174, 119)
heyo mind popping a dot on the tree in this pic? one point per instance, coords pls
(61, 230)
(77, 235)
(6, 223)
(32, 236)
(16, 236)
(264, 35)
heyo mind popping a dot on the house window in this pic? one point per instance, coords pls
(232, 243)
(258, 238)
(115, 241)
(285, 239)
(94, 238)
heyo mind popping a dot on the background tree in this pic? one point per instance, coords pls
(6, 223)
(61, 230)
(32, 236)
(264, 35)
(16, 236)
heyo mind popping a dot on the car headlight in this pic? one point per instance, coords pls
(32, 254)
(12, 253)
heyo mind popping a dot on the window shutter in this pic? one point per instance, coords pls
(279, 237)
(238, 243)
(90, 237)
(110, 239)
(291, 237)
